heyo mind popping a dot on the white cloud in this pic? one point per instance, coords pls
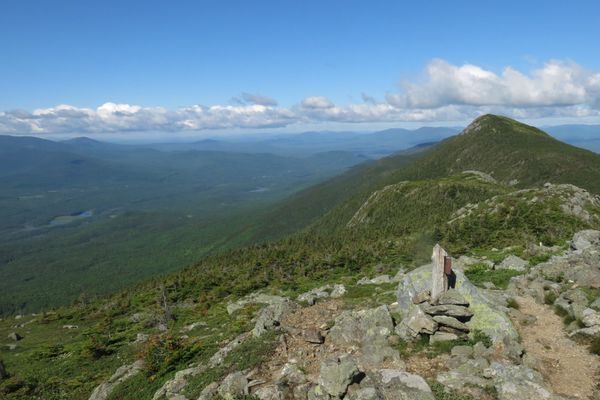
(446, 93)
(317, 102)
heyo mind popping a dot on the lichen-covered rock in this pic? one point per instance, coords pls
(585, 239)
(378, 280)
(452, 297)
(518, 382)
(449, 310)
(367, 393)
(451, 322)
(313, 295)
(102, 391)
(271, 316)
(336, 375)
(416, 322)
(254, 298)
(395, 384)
(317, 393)
(514, 263)
(590, 317)
(440, 336)
(377, 351)
(233, 386)
(573, 301)
(338, 291)
(353, 327)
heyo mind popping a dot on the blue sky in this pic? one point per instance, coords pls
(359, 64)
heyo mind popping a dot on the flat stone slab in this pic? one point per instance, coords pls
(450, 310)
(451, 322)
(452, 296)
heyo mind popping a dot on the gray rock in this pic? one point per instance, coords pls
(378, 280)
(291, 374)
(367, 393)
(451, 322)
(395, 384)
(440, 336)
(11, 346)
(422, 297)
(590, 317)
(514, 263)
(518, 382)
(141, 338)
(209, 392)
(377, 351)
(336, 375)
(103, 391)
(312, 336)
(271, 316)
(14, 336)
(462, 351)
(583, 240)
(596, 304)
(312, 296)
(416, 322)
(449, 310)
(573, 301)
(452, 297)
(354, 327)
(338, 291)
(254, 298)
(590, 332)
(234, 385)
(317, 393)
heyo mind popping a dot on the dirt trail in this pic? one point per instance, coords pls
(567, 366)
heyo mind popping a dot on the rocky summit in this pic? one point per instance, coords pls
(397, 343)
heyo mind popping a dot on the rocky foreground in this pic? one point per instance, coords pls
(331, 348)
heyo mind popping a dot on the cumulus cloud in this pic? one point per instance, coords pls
(258, 99)
(446, 93)
(317, 102)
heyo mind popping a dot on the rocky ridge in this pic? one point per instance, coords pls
(327, 348)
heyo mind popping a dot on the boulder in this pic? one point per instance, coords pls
(338, 291)
(573, 301)
(449, 310)
(452, 297)
(271, 316)
(354, 327)
(312, 296)
(291, 374)
(590, 317)
(14, 336)
(585, 239)
(234, 385)
(514, 263)
(209, 392)
(337, 374)
(377, 351)
(394, 384)
(518, 382)
(103, 391)
(451, 322)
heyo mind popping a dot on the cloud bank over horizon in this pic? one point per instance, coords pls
(445, 93)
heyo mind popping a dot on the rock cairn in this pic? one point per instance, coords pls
(443, 319)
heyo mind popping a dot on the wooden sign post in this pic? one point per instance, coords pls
(439, 282)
